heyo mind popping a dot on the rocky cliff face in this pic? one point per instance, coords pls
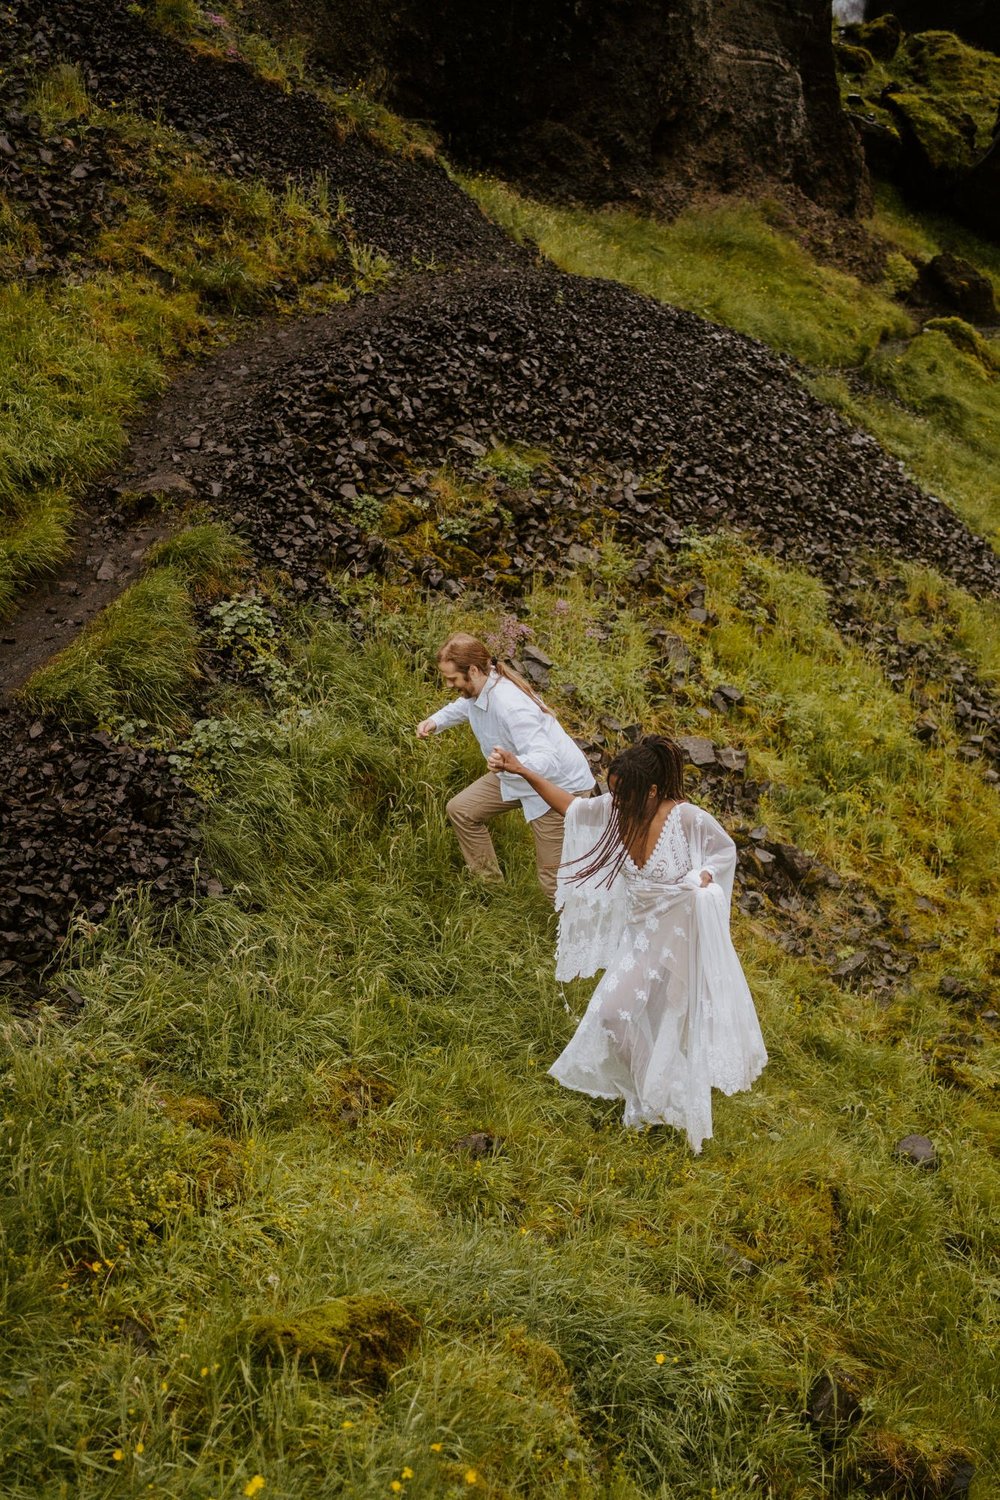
(975, 21)
(607, 98)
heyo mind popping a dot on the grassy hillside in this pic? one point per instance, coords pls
(265, 1106)
(184, 255)
(290, 1206)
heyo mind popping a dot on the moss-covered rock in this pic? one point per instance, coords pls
(400, 515)
(943, 135)
(856, 61)
(357, 1340)
(880, 38)
(966, 338)
(954, 285)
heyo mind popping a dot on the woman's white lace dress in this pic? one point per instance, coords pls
(672, 1017)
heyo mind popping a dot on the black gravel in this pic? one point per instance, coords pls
(82, 818)
(406, 208)
(652, 415)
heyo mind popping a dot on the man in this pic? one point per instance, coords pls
(505, 713)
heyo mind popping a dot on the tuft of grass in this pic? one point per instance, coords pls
(207, 554)
(136, 660)
(33, 544)
(237, 245)
(515, 462)
(728, 264)
(60, 98)
(178, 18)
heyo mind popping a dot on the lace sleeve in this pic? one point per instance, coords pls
(591, 915)
(711, 848)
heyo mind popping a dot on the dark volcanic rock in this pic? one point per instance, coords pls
(82, 819)
(953, 282)
(477, 1145)
(604, 100)
(369, 402)
(918, 1150)
(833, 1406)
(246, 127)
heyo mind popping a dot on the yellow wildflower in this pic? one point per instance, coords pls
(118, 1455)
(140, 1447)
(347, 1425)
(471, 1477)
(255, 1485)
(407, 1473)
(661, 1359)
(395, 1486)
(436, 1447)
(203, 1371)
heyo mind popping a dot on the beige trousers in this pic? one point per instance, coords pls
(471, 810)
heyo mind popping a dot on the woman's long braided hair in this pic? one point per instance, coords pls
(654, 762)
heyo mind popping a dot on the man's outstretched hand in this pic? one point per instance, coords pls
(426, 728)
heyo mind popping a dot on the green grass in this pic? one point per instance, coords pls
(136, 660)
(940, 414)
(188, 252)
(255, 1115)
(729, 264)
(75, 363)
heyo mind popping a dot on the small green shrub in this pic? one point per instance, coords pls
(900, 274)
(515, 463)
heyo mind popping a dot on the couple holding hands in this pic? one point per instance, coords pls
(642, 880)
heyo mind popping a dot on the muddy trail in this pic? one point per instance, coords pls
(320, 441)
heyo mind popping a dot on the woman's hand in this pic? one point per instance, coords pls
(706, 878)
(426, 728)
(504, 760)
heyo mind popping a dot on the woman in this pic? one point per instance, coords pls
(644, 893)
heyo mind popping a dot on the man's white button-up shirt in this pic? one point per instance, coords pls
(504, 715)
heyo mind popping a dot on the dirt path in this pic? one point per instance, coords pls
(108, 548)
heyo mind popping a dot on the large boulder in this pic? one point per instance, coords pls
(949, 281)
(603, 101)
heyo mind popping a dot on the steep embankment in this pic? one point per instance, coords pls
(403, 205)
(926, 109)
(975, 21)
